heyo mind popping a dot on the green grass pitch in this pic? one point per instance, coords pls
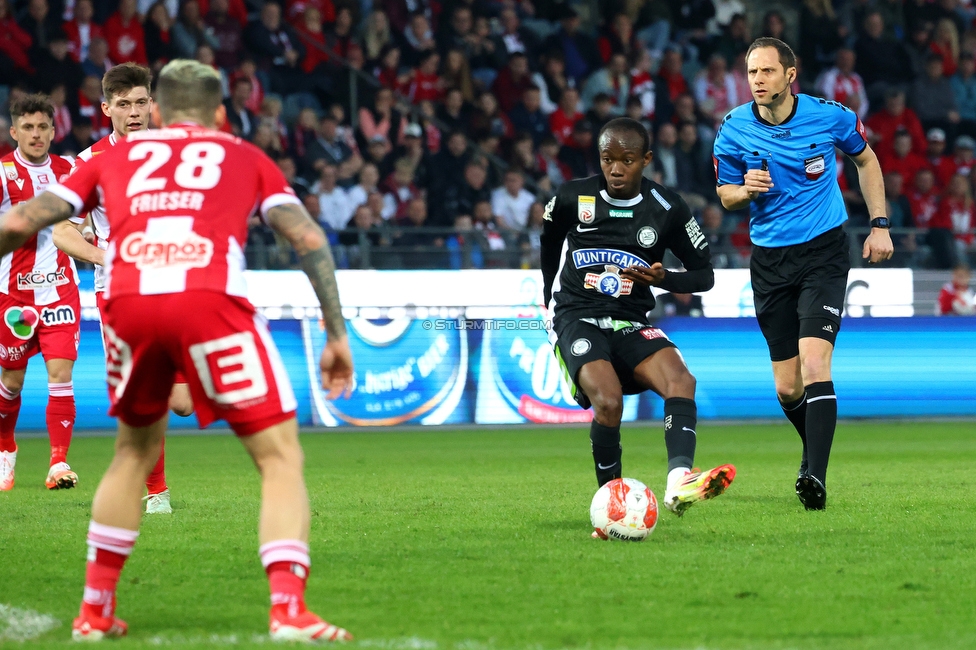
(479, 539)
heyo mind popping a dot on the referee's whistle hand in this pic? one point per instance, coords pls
(757, 181)
(644, 277)
(878, 246)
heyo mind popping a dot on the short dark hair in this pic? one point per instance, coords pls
(30, 104)
(124, 77)
(620, 124)
(786, 56)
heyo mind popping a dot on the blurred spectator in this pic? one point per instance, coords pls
(685, 110)
(964, 90)
(190, 31)
(642, 86)
(892, 11)
(735, 39)
(565, 117)
(329, 148)
(665, 163)
(696, 179)
(901, 158)
(248, 70)
(941, 165)
(456, 32)
(923, 198)
(242, 121)
(579, 51)
(618, 38)
(945, 45)
(277, 50)
(62, 114)
(97, 63)
(359, 236)
(547, 162)
(334, 201)
(290, 171)
(54, 66)
(821, 34)
(488, 119)
(530, 239)
(265, 139)
(15, 42)
(369, 178)
(417, 39)
(671, 83)
(579, 154)
(227, 32)
(957, 203)
(635, 111)
(963, 159)
(382, 118)
(891, 118)
(376, 36)
(840, 83)
(901, 208)
(511, 202)
(295, 10)
(773, 25)
(456, 74)
(454, 111)
(124, 34)
(918, 46)
(464, 246)
(40, 22)
(611, 80)
(485, 57)
(552, 81)
(511, 81)
(880, 60)
(527, 116)
(682, 304)
(601, 111)
(314, 208)
(447, 167)
(486, 224)
(653, 22)
(159, 37)
(513, 37)
(461, 198)
(312, 36)
(956, 298)
(723, 253)
(418, 246)
(387, 70)
(340, 34)
(413, 149)
(81, 30)
(715, 90)
(690, 20)
(400, 188)
(89, 107)
(271, 109)
(933, 99)
(425, 83)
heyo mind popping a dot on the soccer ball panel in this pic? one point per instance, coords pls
(624, 509)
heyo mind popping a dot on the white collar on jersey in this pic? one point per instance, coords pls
(621, 203)
(23, 161)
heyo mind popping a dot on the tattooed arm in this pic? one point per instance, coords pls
(293, 223)
(68, 237)
(25, 219)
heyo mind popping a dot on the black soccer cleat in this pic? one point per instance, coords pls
(811, 492)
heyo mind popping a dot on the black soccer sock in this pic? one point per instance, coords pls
(796, 413)
(605, 442)
(821, 422)
(680, 420)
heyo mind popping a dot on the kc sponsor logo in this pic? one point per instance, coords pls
(148, 252)
(600, 256)
(37, 280)
(609, 283)
(21, 321)
(63, 315)
(586, 209)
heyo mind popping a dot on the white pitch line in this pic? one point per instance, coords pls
(24, 624)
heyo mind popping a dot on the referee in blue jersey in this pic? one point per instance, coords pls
(775, 155)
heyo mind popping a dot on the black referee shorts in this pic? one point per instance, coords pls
(625, 344)
(800, 290)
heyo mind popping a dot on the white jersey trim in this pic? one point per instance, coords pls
(275, 200)
(621, 203)
(70, 196)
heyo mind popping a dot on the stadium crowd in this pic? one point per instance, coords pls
(428, 134)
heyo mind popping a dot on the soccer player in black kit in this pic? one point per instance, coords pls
(602, 244)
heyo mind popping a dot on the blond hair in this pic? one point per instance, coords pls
(188, 89)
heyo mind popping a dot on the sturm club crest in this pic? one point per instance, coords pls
(647, 237)
(580, 347)
(586, 209)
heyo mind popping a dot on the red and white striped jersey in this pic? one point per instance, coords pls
(178, 202)
(37, 273)
(98, 219)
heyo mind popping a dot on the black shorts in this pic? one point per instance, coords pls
(625, 344)
(800, 291)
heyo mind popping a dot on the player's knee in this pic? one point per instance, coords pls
(13, 382)
(183, 408)
(682, 384)
(788, 391)
(814, 369)
(608, 404)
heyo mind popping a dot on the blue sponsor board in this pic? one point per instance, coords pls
(883, 367)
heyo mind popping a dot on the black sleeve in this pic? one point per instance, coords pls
(687, 241)
(555, 226)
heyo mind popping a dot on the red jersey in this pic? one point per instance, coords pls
(944, 168)
(907, 166)
(924, 207)
(562, 125)
(178, 201)
(99, 220)
(126, 39)
(955, 300)
(37, 273)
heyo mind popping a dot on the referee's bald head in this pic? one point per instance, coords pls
(625, 125)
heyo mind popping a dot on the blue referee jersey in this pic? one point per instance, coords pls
(805, 200)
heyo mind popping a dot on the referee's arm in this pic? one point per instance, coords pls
(878, 246)
(754, 183)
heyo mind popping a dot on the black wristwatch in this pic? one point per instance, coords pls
(881, 222)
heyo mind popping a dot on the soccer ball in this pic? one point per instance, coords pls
(624, 509)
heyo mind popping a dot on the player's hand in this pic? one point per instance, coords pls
(644, 276)
(336, 367)
(878, 246)
(756, 182)
(89, 235)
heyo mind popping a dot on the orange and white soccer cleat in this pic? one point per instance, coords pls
(96, 628)
(698, 486)
(8, 459)
(60, 477)
(305, 627)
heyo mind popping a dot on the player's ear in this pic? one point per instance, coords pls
(220, 117)
(648, 157)
(105, 110)
(157, 117)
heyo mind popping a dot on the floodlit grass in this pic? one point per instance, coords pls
(479, 539)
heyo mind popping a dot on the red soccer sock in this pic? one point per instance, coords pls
(156, 482)
(60, 419)
(108, 549)
(9, 410)
(286, 562)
